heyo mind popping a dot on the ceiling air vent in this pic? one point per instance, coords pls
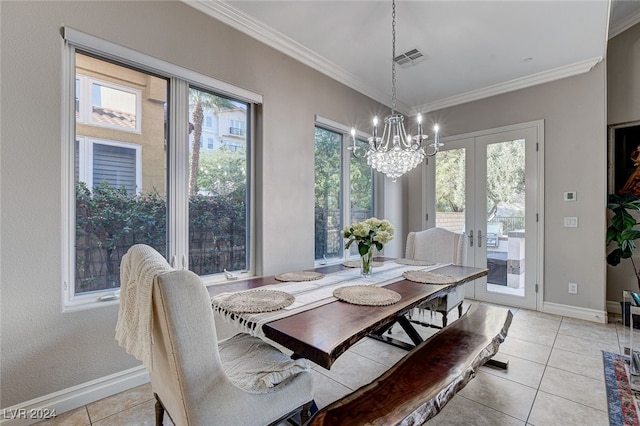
(408, 59)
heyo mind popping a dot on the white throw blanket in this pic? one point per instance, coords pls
(134, 329)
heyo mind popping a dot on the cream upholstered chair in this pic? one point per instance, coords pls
(200, 381)
(188, 376)
(443, 246)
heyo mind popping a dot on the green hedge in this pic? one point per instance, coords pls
(110, 220)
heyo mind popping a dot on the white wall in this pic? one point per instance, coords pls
(43, 350)
(574, 113)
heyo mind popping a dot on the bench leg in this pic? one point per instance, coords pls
(503, 365)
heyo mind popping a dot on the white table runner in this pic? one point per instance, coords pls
(311, 294)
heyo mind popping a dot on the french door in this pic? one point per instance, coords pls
(487, 186)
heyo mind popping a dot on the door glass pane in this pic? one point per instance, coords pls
(120, 176)
(506, 217)
(218, 231)
(328, 193)
(450, 190)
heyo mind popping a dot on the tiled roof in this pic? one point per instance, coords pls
(113, 117)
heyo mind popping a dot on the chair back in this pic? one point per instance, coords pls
(438, 245)
(186, 361)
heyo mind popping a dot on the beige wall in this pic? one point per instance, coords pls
(43, 350)
(574, 115)
(623, 106)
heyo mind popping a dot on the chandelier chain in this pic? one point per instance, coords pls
(393, 57)
(395, 152)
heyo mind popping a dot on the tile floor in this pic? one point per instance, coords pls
(555, 377)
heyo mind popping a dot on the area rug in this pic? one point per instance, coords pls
(623, 408)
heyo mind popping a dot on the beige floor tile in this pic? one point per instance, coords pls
(108, 406)
(551, 410)
(139, 415)
(577, 363)
(463, 411)
(526, 350)
(605, 333)
(520, 370)
(77, 417)
(538, 319)
(353, 370)
(583, 346)
(326, 390)
(379, 351)
(523, 331)
(503, 395)
(575, 387)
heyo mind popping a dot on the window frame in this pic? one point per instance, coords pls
(87, 104)
(179, 79)
(86, 158)
(345, 203)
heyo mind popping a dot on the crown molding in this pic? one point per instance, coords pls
(238, 20)
(258, 30)
(624, 24)
(509, 86)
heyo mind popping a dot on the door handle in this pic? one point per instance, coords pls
(471, 238)
(479, 237)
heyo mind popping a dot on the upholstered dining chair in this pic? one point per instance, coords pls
(442, 246)
(198, 380)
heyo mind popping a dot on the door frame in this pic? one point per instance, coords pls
(429, 210)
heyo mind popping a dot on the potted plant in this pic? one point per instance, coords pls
(622, 233)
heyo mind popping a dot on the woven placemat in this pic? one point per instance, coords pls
(367, 295)
(255, 301)
(426, 277)
(358, 263)
(414, 262)
(299, 276)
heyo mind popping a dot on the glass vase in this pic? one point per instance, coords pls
(366, 263)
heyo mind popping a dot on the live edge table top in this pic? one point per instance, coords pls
(324, 333)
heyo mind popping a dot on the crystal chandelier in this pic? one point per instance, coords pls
(395, 152)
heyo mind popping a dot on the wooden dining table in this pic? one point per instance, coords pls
(324, 333)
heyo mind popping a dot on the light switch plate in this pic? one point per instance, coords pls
(570, 222)
(570, 196)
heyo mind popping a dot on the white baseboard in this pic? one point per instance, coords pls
(576, 312)
(30, 412)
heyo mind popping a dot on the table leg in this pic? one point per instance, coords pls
(406, 326)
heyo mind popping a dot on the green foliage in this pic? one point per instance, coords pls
(505, 174)
(110, 220)
(450, 181)
(328, 163)
(505, 177)
(622, 232)
(223, 173)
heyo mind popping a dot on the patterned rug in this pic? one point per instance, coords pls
(623, 409)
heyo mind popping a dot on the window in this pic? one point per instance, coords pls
(110, 163)
(218, 196)
(236, 127)
(127, 187)
(106, 104)
(208, 121)
(343, 190)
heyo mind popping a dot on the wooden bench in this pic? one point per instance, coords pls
(420, 384)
